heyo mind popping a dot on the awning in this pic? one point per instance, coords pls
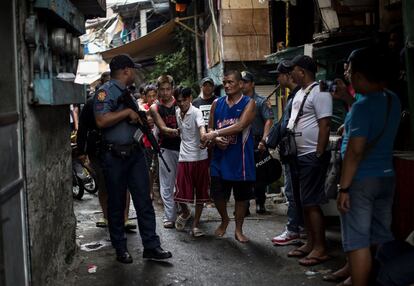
(158, 41)
(90, 69)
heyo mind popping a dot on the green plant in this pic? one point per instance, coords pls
(180, 64)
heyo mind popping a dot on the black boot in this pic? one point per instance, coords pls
(156, 253)
(124, 257)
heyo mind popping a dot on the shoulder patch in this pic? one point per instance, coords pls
(101, 95)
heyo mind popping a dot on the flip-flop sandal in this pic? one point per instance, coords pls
(196, 232)
(102, 223)
(181, 221)
(312, 261)
(297, 253)
(168, 224)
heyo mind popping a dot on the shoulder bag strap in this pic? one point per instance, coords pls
(300, 112)
(374, 142)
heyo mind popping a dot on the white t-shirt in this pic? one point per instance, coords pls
(190, 135)
(318, 105)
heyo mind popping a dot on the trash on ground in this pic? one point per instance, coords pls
(311, 273)
(92, 268)
(95, 245)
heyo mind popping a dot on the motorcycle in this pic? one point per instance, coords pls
(83, 178)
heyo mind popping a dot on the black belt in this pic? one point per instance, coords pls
(121, 150)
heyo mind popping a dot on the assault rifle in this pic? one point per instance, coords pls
(273, 92)
(127, 99)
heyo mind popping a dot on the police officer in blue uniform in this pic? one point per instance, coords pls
(124, 164)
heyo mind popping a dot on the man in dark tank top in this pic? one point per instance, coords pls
(163, 113)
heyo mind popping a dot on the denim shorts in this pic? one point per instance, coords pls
(368, 221)
(311, 174)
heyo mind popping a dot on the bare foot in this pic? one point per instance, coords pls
(221, 230)
(240, 237)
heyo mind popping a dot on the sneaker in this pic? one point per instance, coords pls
(286, 238)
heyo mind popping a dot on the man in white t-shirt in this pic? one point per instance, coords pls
(311, 126)
(193, 165)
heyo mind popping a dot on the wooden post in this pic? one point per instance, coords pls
(197, 45)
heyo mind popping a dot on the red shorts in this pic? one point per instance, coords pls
(193, 178)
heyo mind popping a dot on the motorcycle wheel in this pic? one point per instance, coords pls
(90, 186)
(77, 188)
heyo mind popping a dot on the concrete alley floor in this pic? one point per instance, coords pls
(203, 261)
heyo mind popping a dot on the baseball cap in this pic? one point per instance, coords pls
(247, 76)
(305, 62)
(122, 61)
(207, 79)
(284, 67)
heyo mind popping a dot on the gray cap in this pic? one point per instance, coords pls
(247, 76)
(207, 79)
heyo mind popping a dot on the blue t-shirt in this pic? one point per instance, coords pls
(366, 119)
(106, 100)
(236, 163)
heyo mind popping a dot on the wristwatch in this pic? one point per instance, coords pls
(342, 190)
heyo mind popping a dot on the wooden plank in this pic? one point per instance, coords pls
(246, 48)
(245, 22)
(243, 4)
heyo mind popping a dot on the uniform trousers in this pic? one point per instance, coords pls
(122, 173)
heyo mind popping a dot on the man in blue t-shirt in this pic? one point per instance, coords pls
(367, 181)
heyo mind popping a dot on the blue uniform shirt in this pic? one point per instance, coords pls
(236, 163)
(263, 113)
(106, 100)
(366, 119)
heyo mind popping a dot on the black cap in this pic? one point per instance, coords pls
(284, 67)
(207, 79)
(305, 62)
(122, 61)
(247, 76)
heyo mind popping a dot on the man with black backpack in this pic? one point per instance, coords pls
(294, 227)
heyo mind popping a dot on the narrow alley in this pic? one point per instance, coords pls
(196, 261)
